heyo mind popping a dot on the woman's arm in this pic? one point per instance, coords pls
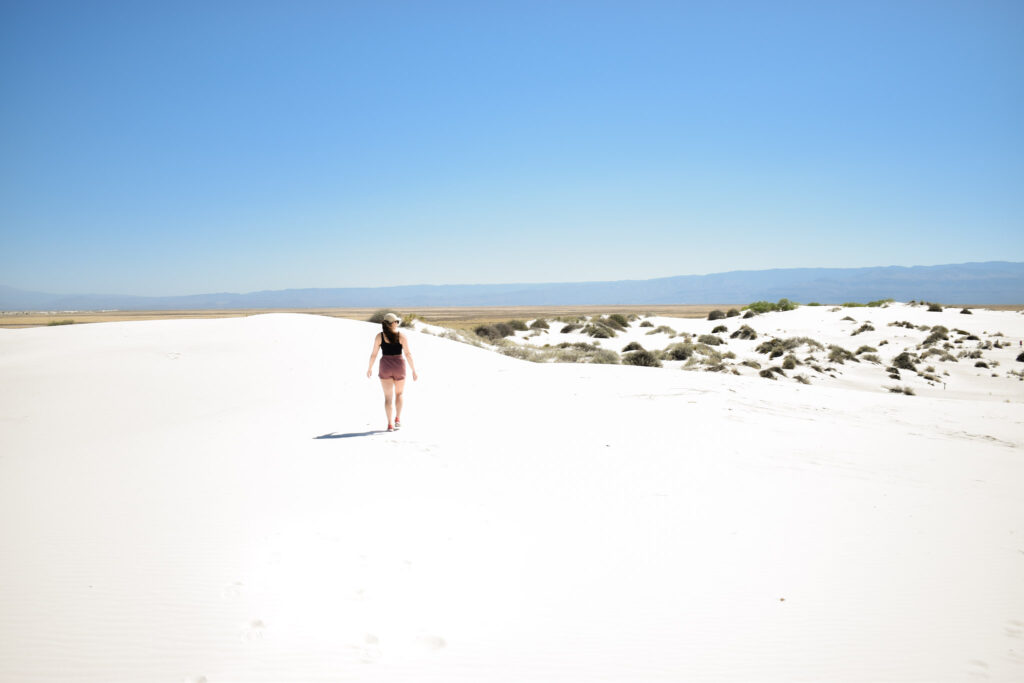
(408, 355)
(373, 354)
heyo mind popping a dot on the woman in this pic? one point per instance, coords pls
(392, 368)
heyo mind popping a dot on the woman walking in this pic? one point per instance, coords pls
(392, 367)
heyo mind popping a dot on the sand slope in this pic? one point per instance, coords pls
(203, 500)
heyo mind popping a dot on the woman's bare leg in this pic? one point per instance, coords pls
(399, 388)
(388, 385)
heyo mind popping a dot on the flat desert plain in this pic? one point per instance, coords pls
(205, 500)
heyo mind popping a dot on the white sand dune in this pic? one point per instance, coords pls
(214, 501)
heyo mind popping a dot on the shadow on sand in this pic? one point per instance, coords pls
(334, 435)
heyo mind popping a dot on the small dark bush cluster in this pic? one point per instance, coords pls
(901, 390)
(642, 358)
(719, 328)
(540, 324)
(752, 364)
(571, 327)
(848, 319)
(745, 332)
(770, 373)
(934, 308)
(732, 313)
(766, 306)
(599, 330)
(632, 346)
(72, 322)
(790, 362)
(678, 351)
(880, 302)
(618, 320)
(938, 333)
(966, 311)
(663, 329)
(716, 315)
(1020, 358)
(866, 327)
(710, 340)
(748, 315)
(646, 323)
(837, 354)
(865, 349)
(902, 323)
(906, 361)
(494, 332)
(981, 364)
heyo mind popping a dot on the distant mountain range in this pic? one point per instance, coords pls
(994, 282)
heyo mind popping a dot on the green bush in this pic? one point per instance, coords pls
(880, 302)
(517, 325)
(663, 329)
(905, 361)
(766, 306)
(710, 340)
(619, 319)
(540, 324)
(748, 315)
(571, 327)
(866, 327)
(719, 328)
(62, 322)
(679, 351)
(646, 323)
(716, 315)
(642, 358)
(732, 313)
(494, 332)
(745, 332)
(934, 308)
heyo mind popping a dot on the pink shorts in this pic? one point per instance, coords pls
(392, 367)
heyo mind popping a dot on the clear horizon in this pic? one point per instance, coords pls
(164, 151)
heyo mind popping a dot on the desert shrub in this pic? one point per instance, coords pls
(642, 358)
(902, 323)
(732, 313)
(972, 337)
(751, 364)
(540, 324)
(571, 327)
(719, 328)
(745, 332)
(942, 354)
(767, 374)
(934, 308)
(605, 357)
(803, 379)
(517, 325)
(981, 364)
(716, 315)
(599, 330)
(580, 346)
(880, 302)
(663, 329)
(938, 333)
(679, 351)
(748, 315)
(848, 319)
(646, 323)
(378, 316)
(814, 303)
(1020, 358)
(866, 327)
(837, 354)
(901, 390)
(871, 358)
(853, 304)
(72, 322)
(966, 311)
(906, 361)
(766, 306)
(632, 346)
(969, 354)
(790, 362)
(521, 352)
(493, 332)
(865, 349)
(619, 320)
(710, 340)
(770, 373)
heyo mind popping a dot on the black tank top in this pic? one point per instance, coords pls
(390, 349)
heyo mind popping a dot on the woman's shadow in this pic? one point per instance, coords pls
(335, 435)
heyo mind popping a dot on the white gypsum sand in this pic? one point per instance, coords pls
(201, 500)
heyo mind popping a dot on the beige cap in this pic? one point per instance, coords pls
(391, 318)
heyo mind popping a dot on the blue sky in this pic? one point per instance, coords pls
(179, 148)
